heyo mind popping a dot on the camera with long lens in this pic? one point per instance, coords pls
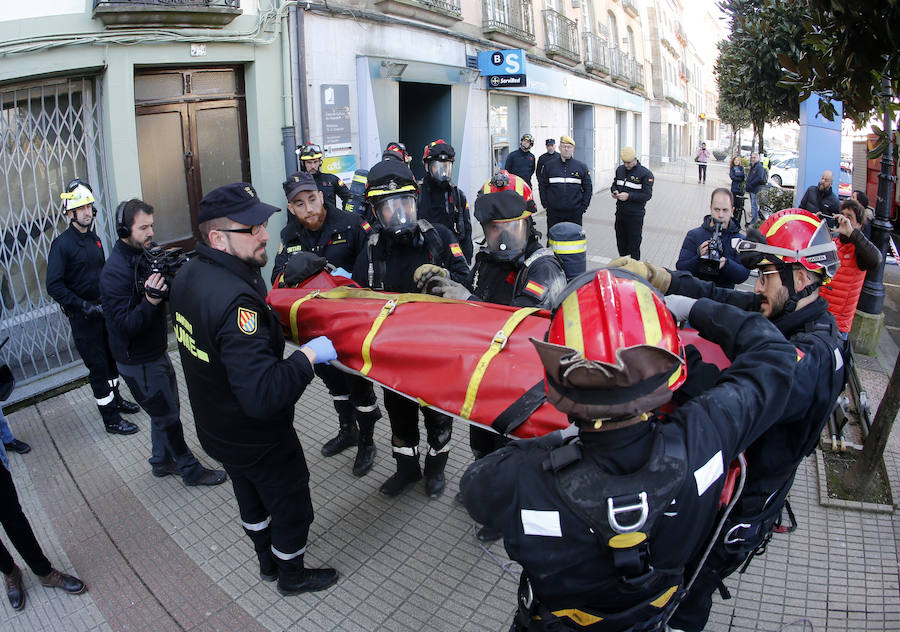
(709, 263)
(163, 261)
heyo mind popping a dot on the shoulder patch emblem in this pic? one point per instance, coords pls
(247, 320)
(455, 250)
(532, 287)
(366, 226)
(800, 354)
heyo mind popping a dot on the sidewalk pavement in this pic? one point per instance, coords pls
(157, 555)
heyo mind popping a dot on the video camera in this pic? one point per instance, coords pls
(709, 263)
(158, 260)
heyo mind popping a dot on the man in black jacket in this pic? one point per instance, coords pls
(242, 389)
(441, 201)
(546, 157)
(603, 518)
(329, 184)
(338, 237)
(565, 186)
(820, 199)
(787, 293)
(136, 322)
(521, 161)
(73, 280)
(632, 188)
(402, 244)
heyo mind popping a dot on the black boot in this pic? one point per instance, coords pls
(434, 474)
(365, 452)
(262, 544)
(123, 405)
(294, 579)
(408, 472)
(488, 534)
(114, 422)
(347, 435)
(15, 591)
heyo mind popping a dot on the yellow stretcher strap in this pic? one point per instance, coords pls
(497, 344)
(295, 330)
(386, 310)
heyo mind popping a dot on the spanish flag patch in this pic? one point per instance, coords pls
(532, 287)
(455, 250)
(365, 226)
(800, 354)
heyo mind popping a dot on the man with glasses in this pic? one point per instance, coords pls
(794, 255)
(242, 390)
(565, 186)
(73, 280)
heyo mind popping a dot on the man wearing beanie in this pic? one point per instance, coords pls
(632, 186)
(565, 186)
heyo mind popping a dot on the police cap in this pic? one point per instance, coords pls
(390, 177)
(502, 205)
(296, 182)
(238, 202)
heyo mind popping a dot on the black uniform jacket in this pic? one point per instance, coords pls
(542, 162)
(521, 163)
(73, 269)
(637, 182)
(533, 280)
(447, 205)
(331, 186)
(398, 260)
(136, 327)
(567, 564)
(689, 258)
(816, 382)
(815, 201)
(242, 392)
(565, 187)
(340, 240)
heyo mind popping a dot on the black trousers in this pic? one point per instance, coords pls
(404, 416)
(344, 387)
(18, 530)
(276, 490)
(629, 227)
(90, 339)
(154, 386)
(701, 171)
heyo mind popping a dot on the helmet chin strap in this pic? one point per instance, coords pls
(786, 272)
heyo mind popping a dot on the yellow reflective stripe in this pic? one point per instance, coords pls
(580, 617)
(649, 316)
(486, 188)
(295, 332)
(514, 219)
(789, 218)
(359, 178)
(568, 247)
(663, 599)
(386, 309)
(377, 192)
(497, 344)
(520, 187)
(572, 323)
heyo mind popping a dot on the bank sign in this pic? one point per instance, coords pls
(503, 68)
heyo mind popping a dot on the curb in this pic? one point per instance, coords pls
(837, 503)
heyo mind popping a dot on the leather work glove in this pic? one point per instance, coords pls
(680, 306)
(659, 277)
(322, 347)
(301, 266)
(426, 272)
(92, 310)
(448, 289)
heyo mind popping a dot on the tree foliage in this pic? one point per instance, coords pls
(748, 71)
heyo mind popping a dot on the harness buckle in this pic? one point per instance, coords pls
(390, 306)
(730, 536)
(500, 338)
(613, 511)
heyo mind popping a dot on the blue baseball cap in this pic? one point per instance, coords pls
(238, 202)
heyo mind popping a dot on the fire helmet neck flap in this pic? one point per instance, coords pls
(612, 351)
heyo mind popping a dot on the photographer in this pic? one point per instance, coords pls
(137, 337)
(707, 251)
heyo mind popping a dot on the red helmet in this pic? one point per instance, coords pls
(438, 150)
(792, 236)
(503, 180)
(613, 349)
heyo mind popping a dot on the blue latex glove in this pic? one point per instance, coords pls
(341, 273)
(323, 349)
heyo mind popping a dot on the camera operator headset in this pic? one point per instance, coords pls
(153, 284)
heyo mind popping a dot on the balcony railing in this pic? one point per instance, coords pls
(188, 13)
(440, 12)
(638, 79)
(562, 35)
(505, 19)
(618, 64)
(596, 53)
(630, 7)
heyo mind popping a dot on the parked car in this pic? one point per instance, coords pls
(784, 174)
(845, 184)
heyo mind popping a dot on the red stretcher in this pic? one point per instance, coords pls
(468, 359)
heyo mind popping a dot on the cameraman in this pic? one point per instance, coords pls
(137, 337)
(698, 252)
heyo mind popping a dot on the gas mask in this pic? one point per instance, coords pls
(506, 239)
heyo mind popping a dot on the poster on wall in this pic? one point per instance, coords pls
(335, 117)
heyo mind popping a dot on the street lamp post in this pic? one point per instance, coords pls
(871, 298)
